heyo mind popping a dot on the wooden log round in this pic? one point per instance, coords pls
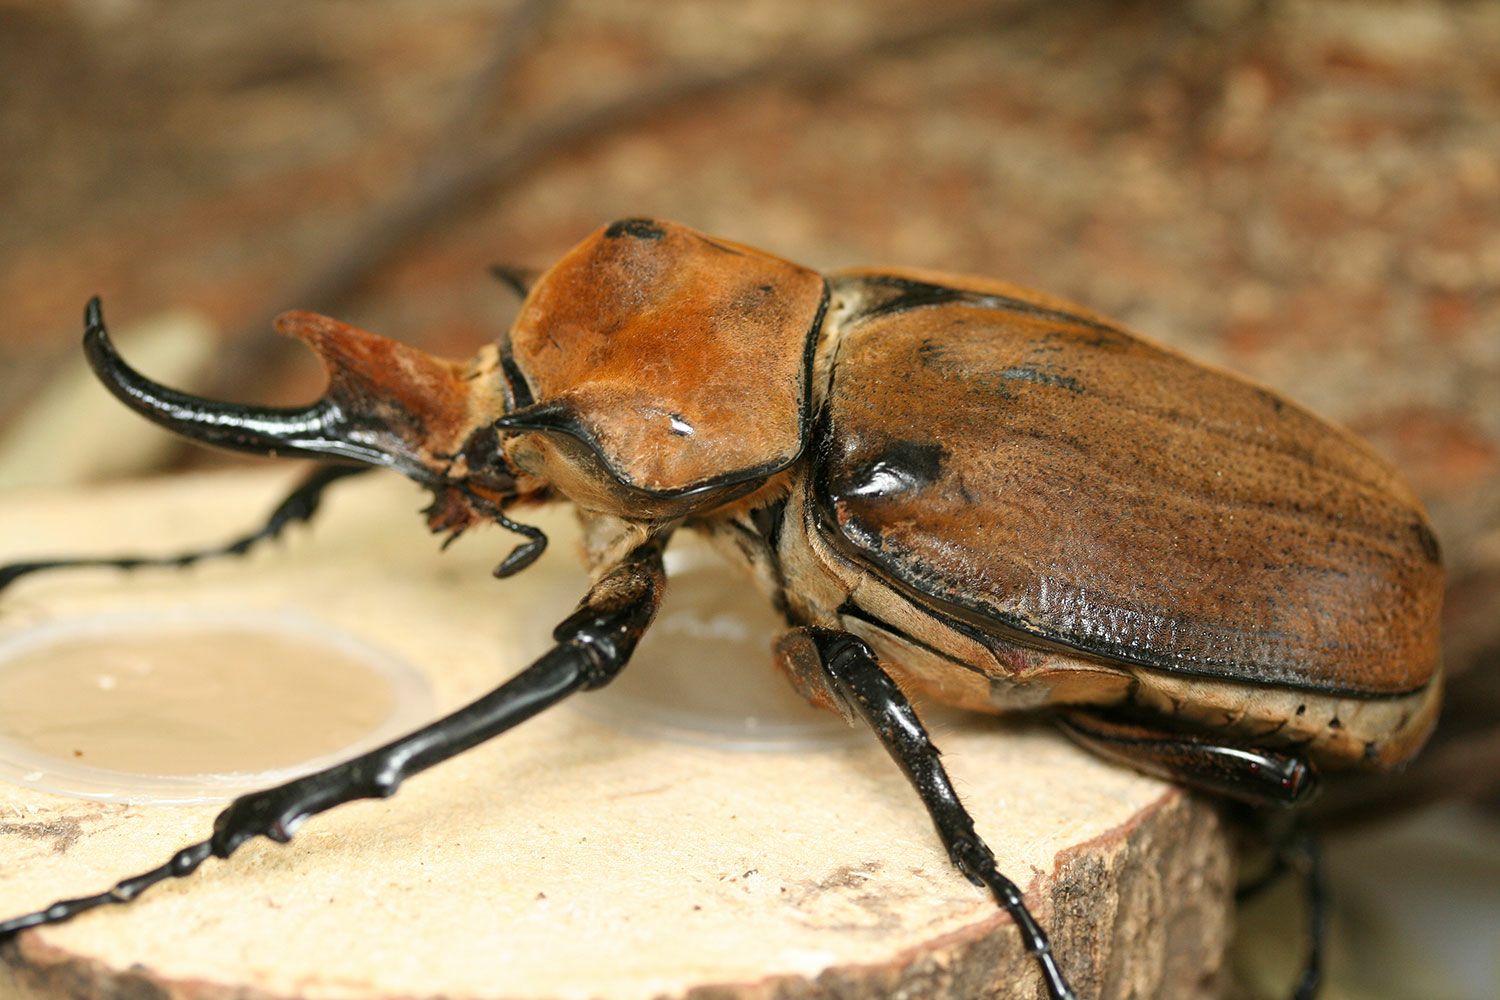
(574, 857)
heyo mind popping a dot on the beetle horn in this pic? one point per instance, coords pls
(384, 405)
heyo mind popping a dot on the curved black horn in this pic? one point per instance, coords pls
(317, 430)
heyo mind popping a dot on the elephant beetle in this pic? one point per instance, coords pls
(947, 486)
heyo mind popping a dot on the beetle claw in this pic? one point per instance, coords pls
(520, 557)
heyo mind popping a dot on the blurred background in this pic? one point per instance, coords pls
(1306, 192)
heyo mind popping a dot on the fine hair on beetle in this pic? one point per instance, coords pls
(947, 486)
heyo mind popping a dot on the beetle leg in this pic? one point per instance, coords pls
(522, 555)
(1297, 851)
(300, 505)
(1250, 774)
(593, 644)
(855, 677)
(1308, 860)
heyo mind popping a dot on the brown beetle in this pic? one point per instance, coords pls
(946, 485)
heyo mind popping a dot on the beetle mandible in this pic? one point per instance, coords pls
(947, 486)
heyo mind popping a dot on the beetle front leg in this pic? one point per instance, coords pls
(593, 644)
(855, 678)
(299, 505)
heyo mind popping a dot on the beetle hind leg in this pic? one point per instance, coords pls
(856, 683)
(298, 506)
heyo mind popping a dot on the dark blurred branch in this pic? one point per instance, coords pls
(464, 174)
(514, 37)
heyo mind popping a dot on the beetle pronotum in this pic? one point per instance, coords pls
(947, 486)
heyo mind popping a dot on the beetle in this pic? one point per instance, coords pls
(947, 486)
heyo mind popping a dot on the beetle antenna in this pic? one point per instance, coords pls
(517, 279)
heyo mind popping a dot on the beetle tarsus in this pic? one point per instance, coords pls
(858, 679)
(182, 864)
(299, 506)
(522, 555)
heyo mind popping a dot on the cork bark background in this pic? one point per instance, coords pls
(1306, 192)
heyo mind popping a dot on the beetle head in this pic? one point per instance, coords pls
(387, 404)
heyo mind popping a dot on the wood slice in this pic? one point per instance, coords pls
(576, 857)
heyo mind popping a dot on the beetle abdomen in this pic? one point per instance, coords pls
(1041, 471)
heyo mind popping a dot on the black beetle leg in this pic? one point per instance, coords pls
(1298, 852)
(300, 505)
(1207, 761)
(593, 644)
(1308, 860)
(857, 678)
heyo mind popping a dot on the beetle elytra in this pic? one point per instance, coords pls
(947, 486)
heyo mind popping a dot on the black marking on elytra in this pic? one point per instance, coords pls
(1277, 403)
(641, 229)
(1028, 373)
(933, 353)
(900, 467)
(889, 294)
(1427, 540)
(902, 295)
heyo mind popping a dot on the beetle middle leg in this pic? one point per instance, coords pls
(855, 679)
(298, 506)
(1214, 764)
(593, 644)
